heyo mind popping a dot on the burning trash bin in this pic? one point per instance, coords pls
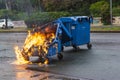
(49, 40)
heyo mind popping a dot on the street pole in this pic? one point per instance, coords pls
(111, 12)
(6, 21)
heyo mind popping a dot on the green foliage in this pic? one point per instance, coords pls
(37, 5)
(2, 5)
(101, 8)
(55, 15)
(19, 16)
(14, 15)
(40, 18)
(83, 10)
(116, 11)
(30, 9)
(4, 13)
(75, 7)
(106, 18)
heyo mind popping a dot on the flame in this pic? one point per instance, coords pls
(46, 61)
(35, 43)
(20, 57)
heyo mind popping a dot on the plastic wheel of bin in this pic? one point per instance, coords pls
(60, 56)
(89, 46)
(41, 59)
(75, 47)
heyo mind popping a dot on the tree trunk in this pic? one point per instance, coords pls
(8, 4)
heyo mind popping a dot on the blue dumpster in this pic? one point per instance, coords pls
(71, 31)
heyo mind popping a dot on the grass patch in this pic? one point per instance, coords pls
(18, 29)
(106, 28)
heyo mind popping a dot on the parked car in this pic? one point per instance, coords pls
(3, 23)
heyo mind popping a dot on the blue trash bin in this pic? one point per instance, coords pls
(71, 31)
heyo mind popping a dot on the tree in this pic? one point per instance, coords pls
(75, 7)
(101, 8)
(2, 5)
(37, 5)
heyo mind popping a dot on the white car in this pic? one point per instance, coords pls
(3, 23)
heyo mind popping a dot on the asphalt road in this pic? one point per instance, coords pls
(102, 62)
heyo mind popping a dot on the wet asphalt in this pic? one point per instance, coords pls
(102, 62)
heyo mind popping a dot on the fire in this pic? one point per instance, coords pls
(20, 57)
(36, 43)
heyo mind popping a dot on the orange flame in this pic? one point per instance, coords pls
(35, 42)
(20, 57)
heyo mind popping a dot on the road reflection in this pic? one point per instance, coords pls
(24, 73)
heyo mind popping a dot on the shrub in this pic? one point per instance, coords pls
(101, 8)
(116, 11)
(5, 13)
(40, 18)
(19, 16)
(12, 14)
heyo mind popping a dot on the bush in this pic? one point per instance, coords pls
(19, 16)
(101, 8)
(116, 11)
(106, 18)
(6, 13)
(40, 18)
(12, 14)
